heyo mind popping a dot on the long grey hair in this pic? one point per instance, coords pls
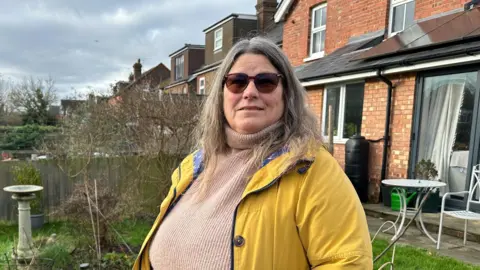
(299, 123)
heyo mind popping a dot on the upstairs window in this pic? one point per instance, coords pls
(317, 34)
(179, 68)
(201, 86)
(402, 14)
(218, 39)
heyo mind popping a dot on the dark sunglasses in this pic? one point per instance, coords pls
(264, 82)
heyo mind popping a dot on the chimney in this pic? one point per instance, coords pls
(265, 12)
(137, 70)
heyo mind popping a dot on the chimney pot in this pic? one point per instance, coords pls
(137, 70)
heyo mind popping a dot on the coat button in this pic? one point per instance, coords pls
(239, 241)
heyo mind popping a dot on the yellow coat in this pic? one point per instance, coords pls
(304, 215)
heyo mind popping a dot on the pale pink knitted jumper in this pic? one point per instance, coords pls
(198, 235)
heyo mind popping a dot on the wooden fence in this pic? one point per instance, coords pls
(117, 173)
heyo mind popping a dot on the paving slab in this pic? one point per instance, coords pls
(451, 226)
(451, 246)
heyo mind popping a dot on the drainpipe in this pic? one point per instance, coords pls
(386, 136)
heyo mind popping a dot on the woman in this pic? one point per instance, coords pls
(262, 192)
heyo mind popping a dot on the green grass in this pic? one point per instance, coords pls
(134, 232)
(408, 257)
(71, 247)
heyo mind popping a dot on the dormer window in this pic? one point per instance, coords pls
(179, 68)
(318, 30)
(402, 14)
(218, 39)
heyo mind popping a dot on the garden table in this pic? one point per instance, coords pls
(421, 186)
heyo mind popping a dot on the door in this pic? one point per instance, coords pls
(445, 122)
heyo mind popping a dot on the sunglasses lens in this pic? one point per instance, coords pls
(236, 83)
(266, 82)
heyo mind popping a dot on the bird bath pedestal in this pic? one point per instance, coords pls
(24, 194)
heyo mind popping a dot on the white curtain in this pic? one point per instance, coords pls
(440, 114)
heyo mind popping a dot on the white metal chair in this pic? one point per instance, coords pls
(463, 214)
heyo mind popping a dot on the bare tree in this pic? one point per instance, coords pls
(33, 97)
(141, 136)
(5, 86)
(8, 116)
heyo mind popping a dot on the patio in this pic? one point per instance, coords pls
(451, 226)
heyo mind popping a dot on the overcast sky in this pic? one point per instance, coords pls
(88, 44)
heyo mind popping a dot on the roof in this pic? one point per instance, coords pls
(275, 33)
(434, 32)
(228, 18)
(176, 83)
(153, 72)
(187, 47)
(344, 64)
(336, 62)
(355, 57)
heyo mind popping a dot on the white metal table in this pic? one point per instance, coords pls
(422, 186)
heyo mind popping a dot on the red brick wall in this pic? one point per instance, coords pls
(427, 8)
(401, 124)
(345, 19)
(315, 100)
(373, 127)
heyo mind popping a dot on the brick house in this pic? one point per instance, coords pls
(153, 80)
(346, 53)
(184, 62)
(222, 35)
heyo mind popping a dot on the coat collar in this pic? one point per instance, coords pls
(273, 167)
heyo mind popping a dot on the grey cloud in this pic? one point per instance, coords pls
(94, 43)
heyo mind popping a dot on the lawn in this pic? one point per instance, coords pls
(408, 257)
(71, 248)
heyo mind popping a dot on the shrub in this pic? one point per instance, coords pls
(27, 174)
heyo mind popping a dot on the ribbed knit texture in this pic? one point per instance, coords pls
(198, 235)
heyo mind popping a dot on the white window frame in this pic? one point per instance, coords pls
(314, 30)
(201, 88)
(393, 5)
(177, 61)
(341, 111)
(218, 36)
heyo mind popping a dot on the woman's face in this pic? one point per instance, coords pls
(250, 111)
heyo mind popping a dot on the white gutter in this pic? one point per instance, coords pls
(175, 84)
(282, 10)
(388, 71)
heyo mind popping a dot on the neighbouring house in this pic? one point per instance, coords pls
(346, 54)
(153, 80)
(223, 34)
(184, 62)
